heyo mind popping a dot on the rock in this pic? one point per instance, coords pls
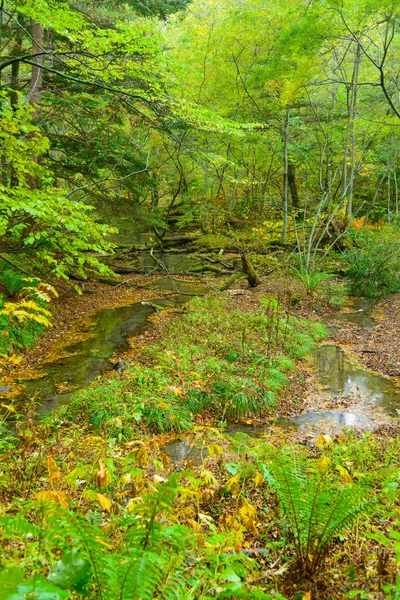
(119, 366)
(4, 388)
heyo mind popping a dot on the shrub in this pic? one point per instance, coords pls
(373, 263)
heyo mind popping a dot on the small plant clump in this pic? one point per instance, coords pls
(23, 311)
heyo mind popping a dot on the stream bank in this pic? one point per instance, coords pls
(330, 393)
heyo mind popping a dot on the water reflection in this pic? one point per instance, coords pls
(339, 376)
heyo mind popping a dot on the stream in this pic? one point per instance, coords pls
(345, 395)
(104, 336)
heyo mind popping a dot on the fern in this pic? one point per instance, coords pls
(315, 508)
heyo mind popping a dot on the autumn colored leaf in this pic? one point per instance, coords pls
(54, 474)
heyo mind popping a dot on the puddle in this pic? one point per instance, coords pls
(361, 318)
(339, 376)
(179, 450)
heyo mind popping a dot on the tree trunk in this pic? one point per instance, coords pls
(36, 82)
(285, 174)
(291, 174)
(35, 91)
(349, 176)
(248, 268)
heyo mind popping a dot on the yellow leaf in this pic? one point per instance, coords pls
(52, 496)
(232, 485)
(307, 596)
(90, 440)
(131, 505)
(176, 390)
(102, 542)
(8, 407)
(323, 440)
(258, 479)
(323, 463)
(215, 449)
(346, 477)
(104, 501)
(195, 525)
(248, 514)
(208, 477)
(53, 470)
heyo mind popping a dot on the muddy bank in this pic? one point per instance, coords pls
(376, 348)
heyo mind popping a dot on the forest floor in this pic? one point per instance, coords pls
(227, 479)
(378, 349)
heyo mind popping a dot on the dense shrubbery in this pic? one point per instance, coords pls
(374, 261)
(110, 521)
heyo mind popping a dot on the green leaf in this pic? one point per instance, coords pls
(232, 468)
(9, 579)
(71, 571)
(36, 588)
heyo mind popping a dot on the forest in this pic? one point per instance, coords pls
(199, 299)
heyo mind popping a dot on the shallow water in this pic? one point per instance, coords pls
(361, 318)
(340, 376)
(173, 262)
(106, 334)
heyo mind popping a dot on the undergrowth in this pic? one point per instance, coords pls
(373, 262)
(23, 311)
(92, 506)
(215, 360)
(83, 516)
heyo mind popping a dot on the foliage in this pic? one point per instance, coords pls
(53, 230)
(373, 262)
(25, 318)
(310, 279)
(316, 509)
(147, 559)
(236, 368)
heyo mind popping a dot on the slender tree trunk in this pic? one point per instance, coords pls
(14, 86)
(292, 185)
(395, 183)
(285, 173)
(350, 150)
(35, 91)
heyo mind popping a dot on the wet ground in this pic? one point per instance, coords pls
(343, 396)
(105, 335)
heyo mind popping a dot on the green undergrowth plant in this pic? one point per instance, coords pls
(316, 508)
(143, 553)
(320, 495)
(311, 279)
(215, 359)
(373, 262)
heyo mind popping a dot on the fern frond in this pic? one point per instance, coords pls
(315, 508)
